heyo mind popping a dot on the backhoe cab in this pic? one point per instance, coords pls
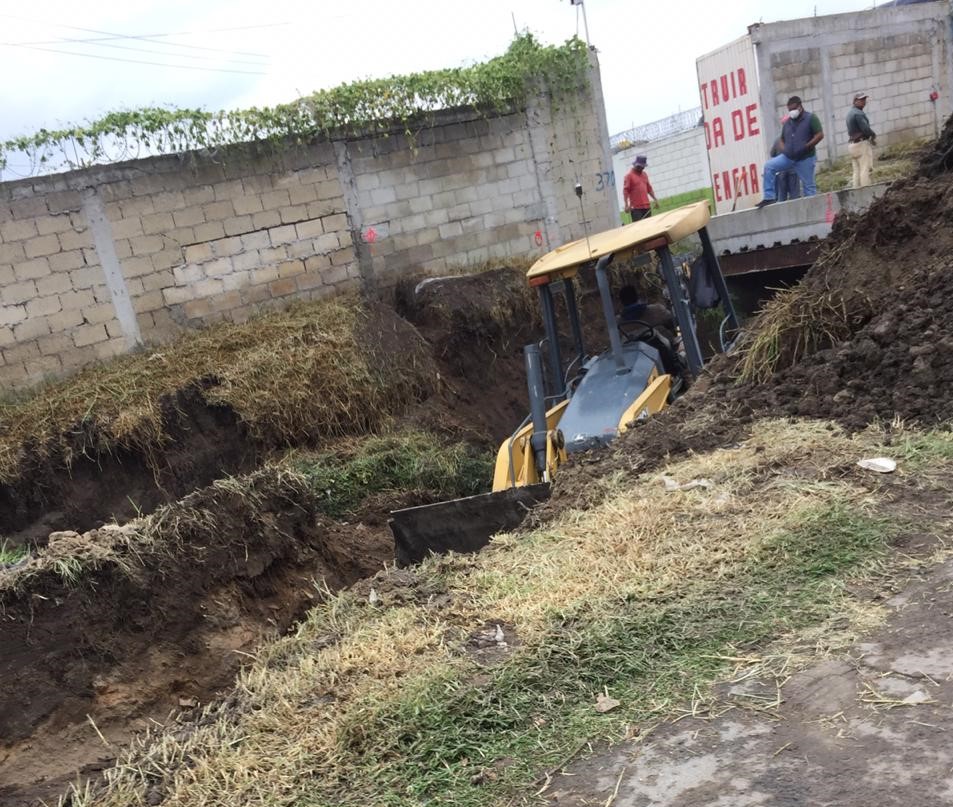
(588, 401)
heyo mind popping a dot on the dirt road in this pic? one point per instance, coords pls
(870, 728)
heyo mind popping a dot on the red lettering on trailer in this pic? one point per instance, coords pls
(751, 112)
(742, 82)
(718, 132)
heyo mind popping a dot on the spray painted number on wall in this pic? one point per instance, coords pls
(605, 180)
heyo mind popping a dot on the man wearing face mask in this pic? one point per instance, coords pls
(800, 135)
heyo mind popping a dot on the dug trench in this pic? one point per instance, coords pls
(108, 629)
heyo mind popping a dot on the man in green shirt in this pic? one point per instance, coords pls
(800, 135)
(862, 140)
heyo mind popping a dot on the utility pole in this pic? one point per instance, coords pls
(579, 4)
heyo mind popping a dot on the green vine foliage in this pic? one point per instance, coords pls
(360, 106)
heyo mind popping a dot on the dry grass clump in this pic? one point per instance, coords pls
(793, 324)
(375, 699)
(319, 369)
(234, 513)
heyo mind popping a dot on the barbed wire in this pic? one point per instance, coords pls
(656, 130)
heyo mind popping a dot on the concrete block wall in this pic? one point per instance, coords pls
(896, 54)
(97, 262)
(677, 163)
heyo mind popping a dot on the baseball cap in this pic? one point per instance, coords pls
(859, 95)
(641, 160)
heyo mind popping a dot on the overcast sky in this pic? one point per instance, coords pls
(276, 50)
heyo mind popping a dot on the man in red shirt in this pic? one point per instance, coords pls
(636, 190)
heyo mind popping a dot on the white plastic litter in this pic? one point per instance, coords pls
(881, 465)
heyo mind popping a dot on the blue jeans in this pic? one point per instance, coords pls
(804, 168)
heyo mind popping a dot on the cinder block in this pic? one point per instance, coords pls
(99, 313)
(290, 268)
(335, 223)
(18, 293)
(342, 257)
(157, 280)
(227, 246)
(236, 280)
(218, 211)
(302, 194)
(65, 320)
(29, 208)
(209, 231)
(273, 255)
(43, 306)
(208, 288)
(315, 263)
(326, 243)
(154, 223)
(56, 283)
(326, 207)
(30, 270)
(126, 228)
(282, 235)
(309, 280)
(77, 239)
(265, 220)
(247, 204)
(189, 273)
(282, 287)
(137, 266)
(54, 344)
(148, 302)
(310, 229)
(12, 314)
(218, 267)
(115, 346)
(293, 214)
(246, 260)
(330, 189)
(175, 295)
(198, 253)
(77, 300)
(198, 195)
(197, 309)
(189, 216)
(227, 191)
(42, 246)
(146, 244)
(334, 275)
(264, 274)
(238, 225)
(275, 200)
(168, 201)
(52, 225)
(31, 328)
(22, 351)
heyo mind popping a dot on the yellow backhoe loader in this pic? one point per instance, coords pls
(588, 401)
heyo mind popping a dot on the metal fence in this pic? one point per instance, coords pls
(673, 124)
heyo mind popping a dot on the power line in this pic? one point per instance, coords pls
(138, 61)
(101, 44)
(108, 35)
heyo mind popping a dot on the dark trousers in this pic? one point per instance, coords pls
(639, 213)
(788, 186)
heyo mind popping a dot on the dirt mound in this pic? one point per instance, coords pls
(124, 624)
(117, 441)
(867, 335)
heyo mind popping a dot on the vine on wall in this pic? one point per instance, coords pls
(355, 107)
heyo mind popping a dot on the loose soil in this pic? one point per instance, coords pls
(153, 628)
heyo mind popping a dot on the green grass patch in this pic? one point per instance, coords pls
(398, 463)
(678, 200)
(890, 163)
(10, 553)
(439, 739)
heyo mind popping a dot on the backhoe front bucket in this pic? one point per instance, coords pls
(461, 525)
